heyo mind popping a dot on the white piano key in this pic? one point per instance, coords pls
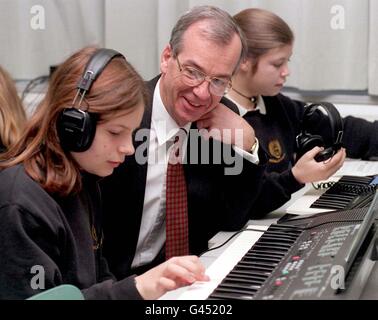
(219, 269)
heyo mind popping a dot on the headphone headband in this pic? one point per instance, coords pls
(95, 65)
(332, 114)
(76, 127)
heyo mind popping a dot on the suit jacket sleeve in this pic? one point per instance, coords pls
(238, 185)
(241, 192)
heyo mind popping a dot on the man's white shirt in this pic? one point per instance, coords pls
(163, 130)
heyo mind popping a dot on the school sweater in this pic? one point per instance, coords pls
(46, 241)
(277, 130)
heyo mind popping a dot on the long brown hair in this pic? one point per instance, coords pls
(12, 113)
(263, 30)
(119, 88)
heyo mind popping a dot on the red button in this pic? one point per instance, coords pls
(279, 282)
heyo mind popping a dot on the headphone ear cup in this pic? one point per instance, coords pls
(325, 154)
(306, 142)
(76, 129)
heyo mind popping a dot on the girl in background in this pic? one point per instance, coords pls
(276, 118)
(12, 113)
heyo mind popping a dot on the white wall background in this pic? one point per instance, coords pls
(68, 25)
(336, 45)
(325, 58)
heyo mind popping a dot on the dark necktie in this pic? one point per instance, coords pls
(177, 243)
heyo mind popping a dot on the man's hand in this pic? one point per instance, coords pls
(225, 125)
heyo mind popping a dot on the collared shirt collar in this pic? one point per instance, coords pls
(162, 122)
(260, 106)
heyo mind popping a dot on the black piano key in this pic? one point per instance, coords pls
(256, 263)
(277, 239)
(261, 258)
(240, 286)
(279, 244)
(284, 227)
(254, 271)
(266, 259)
(268, 251)
(355, 179)
(247, 277)
(236, 289)
(331, 204)
(287, 232)
(334, 200)
(322, 204)
(340, 197)
(264, 254)
(328, 206)
(273, 248)
(254, 268)
(257, 274)
(229, 296)
(289, 238)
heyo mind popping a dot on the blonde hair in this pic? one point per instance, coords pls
(12, 113)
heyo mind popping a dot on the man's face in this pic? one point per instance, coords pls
(187, 103)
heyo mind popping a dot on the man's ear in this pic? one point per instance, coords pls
(164, 59)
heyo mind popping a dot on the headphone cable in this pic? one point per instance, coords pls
(323, 185)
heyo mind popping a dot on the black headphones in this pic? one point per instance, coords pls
(322, 126)
(76, 127)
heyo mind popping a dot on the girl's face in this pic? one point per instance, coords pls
(112, 142)
(271, 71)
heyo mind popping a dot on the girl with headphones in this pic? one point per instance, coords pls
(277, 119)
(50, 206)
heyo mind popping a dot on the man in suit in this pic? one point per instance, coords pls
(205, 49)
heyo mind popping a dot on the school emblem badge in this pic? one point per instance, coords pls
(275, 151)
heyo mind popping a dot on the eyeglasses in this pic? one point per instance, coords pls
(194, 77)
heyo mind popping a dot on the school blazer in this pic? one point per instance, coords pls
(215, 201)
